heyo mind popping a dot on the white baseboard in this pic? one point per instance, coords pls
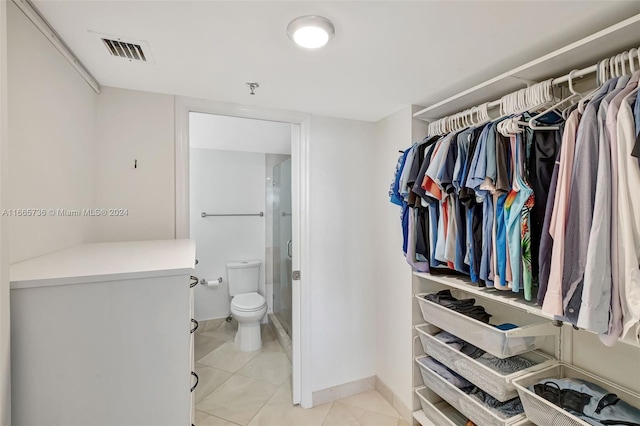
(363, 385)
(342, 391)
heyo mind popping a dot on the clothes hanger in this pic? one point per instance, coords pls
(574, 94)
(623, 63)
(632, 66)
(601, 81)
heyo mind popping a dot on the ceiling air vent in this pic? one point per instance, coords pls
(121, 49)
(126, 48)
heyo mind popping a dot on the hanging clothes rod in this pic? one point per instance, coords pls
(624, 56)
(203, 214)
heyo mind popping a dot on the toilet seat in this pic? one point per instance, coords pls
(248, 302)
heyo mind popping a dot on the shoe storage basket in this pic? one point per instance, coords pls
(467, 405)
(491, 381)
(544, 413)
(501, 343)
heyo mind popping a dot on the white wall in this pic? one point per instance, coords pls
(225, 182)
(51, 133)
(5, 352)
(131, 126)
(340, 270)
(238, 134)
(392, 278)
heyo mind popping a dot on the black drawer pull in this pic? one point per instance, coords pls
(194, 281)
(196, 385)
(195, 325)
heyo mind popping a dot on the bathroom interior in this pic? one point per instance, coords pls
(240, 219)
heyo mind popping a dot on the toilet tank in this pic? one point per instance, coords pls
(243, 276)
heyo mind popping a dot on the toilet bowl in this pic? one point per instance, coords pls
(248, 309)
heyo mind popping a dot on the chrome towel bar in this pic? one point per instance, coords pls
(203, 214)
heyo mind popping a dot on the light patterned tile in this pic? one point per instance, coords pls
(372, 401)
(204, 419)
(209, 379)
(204, 344)
(238, 399)
(272, 346)
(402, 422)
(267, 333)
(280, 411)
(226, 331)
(348, 415)
(271, 367)
(227, 357)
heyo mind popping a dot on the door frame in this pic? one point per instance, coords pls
(301, 298)
(5, 340)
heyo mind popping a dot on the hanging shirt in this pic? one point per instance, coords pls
(636, 113)
(431, 203)
(615, 317)
(431, 185)
(553, 297)
(417, 186)
(515, 202)
(596, 293)
(546, 242)
(502, 186)
(580, 207)
(463, 151)
(487, 241)
(541, 163)
(411, 252)
(477, 171)
(394, 190)
(629, 217)
(406, 170)
(467, 197)
(430, 182)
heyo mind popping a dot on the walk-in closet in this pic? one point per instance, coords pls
(520, 223)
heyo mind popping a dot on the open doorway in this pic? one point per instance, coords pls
(228, 239)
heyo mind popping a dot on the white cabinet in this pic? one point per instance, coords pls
(101, 335)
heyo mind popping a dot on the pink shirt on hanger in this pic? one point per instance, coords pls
(553, 298)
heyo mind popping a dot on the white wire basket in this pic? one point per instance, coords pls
(544, 413)
(496, 384)
(435, 412)
(467, 405)
(501, 343)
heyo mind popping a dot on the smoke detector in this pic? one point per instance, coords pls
(128, 49)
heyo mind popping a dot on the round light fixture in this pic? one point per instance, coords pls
(310, 32)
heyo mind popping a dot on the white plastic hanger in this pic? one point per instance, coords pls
(604, 78)
(533, 120)
(632, 65)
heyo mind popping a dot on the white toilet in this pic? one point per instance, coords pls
(247, 306)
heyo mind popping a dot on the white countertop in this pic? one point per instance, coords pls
(105, 262)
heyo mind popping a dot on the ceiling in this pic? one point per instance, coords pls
(385, 55)
(221, 132)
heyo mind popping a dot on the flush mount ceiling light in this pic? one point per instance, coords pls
(310, 32)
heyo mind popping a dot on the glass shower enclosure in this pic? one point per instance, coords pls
(282, 244)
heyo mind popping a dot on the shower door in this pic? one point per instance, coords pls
(282, 245)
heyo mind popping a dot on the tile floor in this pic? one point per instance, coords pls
(254, 388)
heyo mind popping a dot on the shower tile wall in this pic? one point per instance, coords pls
(272, 271)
